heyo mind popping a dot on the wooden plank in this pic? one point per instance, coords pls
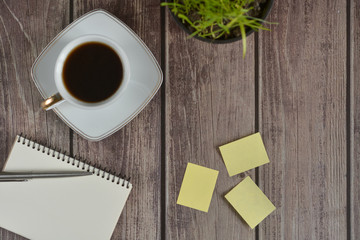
(209, 102)
(302, 70)
(355, 119)
(26, 27)
(135, 149)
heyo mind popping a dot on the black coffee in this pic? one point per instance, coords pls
(92, 72)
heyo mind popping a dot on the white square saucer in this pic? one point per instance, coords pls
(145, 76)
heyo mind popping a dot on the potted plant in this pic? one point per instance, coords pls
(220, 21)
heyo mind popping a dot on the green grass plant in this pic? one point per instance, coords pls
(215, 19)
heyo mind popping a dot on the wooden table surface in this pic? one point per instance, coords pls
(298, 85)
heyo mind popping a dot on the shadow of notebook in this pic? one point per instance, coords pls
(76, 208)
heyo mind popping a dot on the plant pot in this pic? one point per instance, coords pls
(266, 9)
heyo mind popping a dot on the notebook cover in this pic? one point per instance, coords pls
(76, 208)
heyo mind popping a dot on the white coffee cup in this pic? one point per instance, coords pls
(64, 95)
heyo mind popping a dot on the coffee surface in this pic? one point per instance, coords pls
(92, 72)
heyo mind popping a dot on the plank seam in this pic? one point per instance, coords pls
(163, 128)
(71, 11)
(348, 119)
(257, 108)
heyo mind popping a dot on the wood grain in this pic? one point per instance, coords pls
(354, 119)
(209, 102)
(25, 29)
(135, 149)
(302, 69)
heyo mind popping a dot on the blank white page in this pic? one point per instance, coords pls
(74, 208)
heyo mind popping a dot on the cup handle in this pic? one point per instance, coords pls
(52, 101)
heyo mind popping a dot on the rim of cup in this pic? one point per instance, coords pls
(65, 53)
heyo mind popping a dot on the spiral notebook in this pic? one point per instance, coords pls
(76, 208)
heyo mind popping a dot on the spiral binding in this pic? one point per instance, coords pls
(78, 162)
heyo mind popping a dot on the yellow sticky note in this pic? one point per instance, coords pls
(197, 187)
(244, 154)
(250, 202)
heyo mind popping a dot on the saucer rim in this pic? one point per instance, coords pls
(136, 37)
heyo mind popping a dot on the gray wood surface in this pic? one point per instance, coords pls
(302, 70)
(26, 27)
(209, 102)
(135, 149)
(298, 86)
(354, 102)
